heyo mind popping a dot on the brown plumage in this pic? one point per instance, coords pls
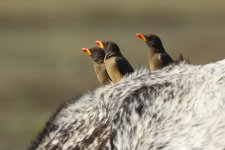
(116, 64)
(158, 57)
(181, 59)
(98, 56)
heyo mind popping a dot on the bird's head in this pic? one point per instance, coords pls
(96, 53)
(153, 41)
(109, 47)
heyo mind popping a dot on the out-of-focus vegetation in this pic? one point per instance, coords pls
(42, 65)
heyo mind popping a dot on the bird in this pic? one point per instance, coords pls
(116, 64)
(181, 58)
(98, 55)
(158, 57)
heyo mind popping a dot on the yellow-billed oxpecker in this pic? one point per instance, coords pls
(98, 55)
(158, 57)
(116, 64)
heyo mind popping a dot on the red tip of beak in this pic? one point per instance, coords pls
(84, 49)
(140, 35)
(98, 42)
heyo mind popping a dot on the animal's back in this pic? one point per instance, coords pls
(179, 107)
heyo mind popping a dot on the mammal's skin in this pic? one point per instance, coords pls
(180, 107)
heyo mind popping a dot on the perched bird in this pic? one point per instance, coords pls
(181, 59)
(158, 58)
(98, 55)
(116, 65)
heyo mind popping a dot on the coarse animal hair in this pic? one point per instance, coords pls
(179, 107)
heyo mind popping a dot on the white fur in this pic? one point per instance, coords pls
(180, 107)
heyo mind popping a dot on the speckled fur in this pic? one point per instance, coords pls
(180, 107)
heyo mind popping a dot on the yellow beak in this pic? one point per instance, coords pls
(141, 36)
(99, 43)
(87, 51)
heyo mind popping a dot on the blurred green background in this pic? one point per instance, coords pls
(42, 65)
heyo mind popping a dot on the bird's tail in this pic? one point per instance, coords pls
(182, 59)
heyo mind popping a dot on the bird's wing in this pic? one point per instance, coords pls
(124, 66)
(165, 59)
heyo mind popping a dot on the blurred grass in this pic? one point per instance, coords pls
(42, 65)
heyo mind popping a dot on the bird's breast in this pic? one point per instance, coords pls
(155, 62)
(101, 73)
(112, 69)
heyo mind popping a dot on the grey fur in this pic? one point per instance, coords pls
(181, 107)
